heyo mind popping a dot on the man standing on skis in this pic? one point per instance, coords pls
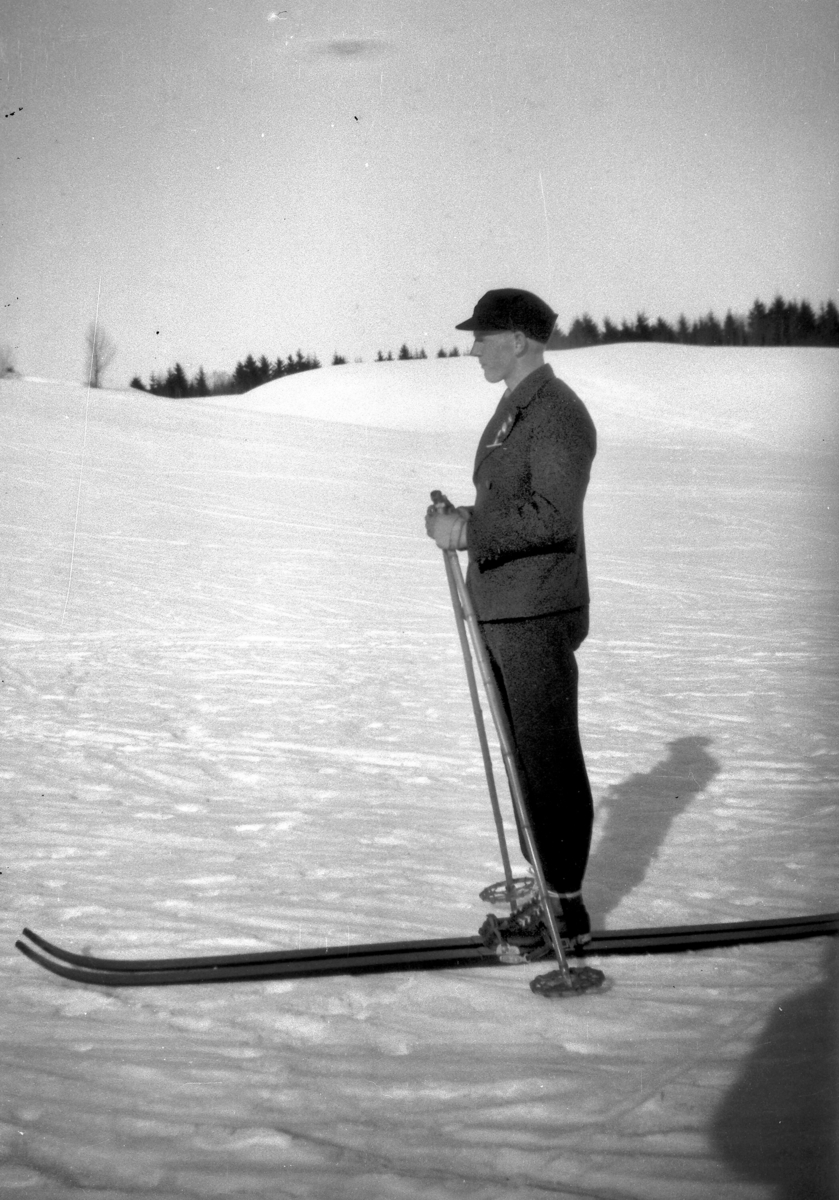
(527, 575)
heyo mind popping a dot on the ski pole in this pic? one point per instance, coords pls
(450, 561)
(565, 980)
(505, 739)
(452, 566)
(466, 610)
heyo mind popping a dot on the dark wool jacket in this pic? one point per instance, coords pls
(525, 538)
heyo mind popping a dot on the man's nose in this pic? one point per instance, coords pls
(475, 352)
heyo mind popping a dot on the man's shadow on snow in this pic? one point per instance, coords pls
(779, 1122)
(639, 813)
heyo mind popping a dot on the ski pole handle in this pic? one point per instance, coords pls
(442, 503)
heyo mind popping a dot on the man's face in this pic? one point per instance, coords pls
(496, 352)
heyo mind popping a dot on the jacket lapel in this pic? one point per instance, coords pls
(500, 424)
(507, 413)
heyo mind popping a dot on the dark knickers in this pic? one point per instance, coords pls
(536, 671)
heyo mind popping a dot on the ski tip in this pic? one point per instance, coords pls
(36, 939)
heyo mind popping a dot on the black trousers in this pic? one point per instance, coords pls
(536, 672)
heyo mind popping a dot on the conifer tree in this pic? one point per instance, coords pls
(642, 331)
(583, 332)
(802, 324)
(757, 324)
(707, 331)
(733, 330)
(662, 332)
(776, 323)
(827, 324)
(244, 374)
(176, 385)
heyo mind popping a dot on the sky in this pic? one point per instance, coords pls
(211, 180)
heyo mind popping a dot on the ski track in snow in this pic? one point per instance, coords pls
(247, 725)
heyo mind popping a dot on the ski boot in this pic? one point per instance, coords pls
(525, 935)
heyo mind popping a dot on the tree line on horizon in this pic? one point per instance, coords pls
(782, 323)
(251, 373)
(248, 374)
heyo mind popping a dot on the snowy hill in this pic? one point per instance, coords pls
(770, 396)
(235, 715)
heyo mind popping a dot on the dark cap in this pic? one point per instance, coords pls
(512, 309)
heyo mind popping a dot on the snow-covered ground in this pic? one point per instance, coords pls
(234, 715)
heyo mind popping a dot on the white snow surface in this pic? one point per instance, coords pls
(235, 715)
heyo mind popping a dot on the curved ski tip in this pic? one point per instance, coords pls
(36, 938)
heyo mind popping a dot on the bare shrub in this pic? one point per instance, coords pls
(7, 360)
(100, 354)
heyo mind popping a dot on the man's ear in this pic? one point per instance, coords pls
(521, 342)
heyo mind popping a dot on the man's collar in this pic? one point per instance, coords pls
(523, 393)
